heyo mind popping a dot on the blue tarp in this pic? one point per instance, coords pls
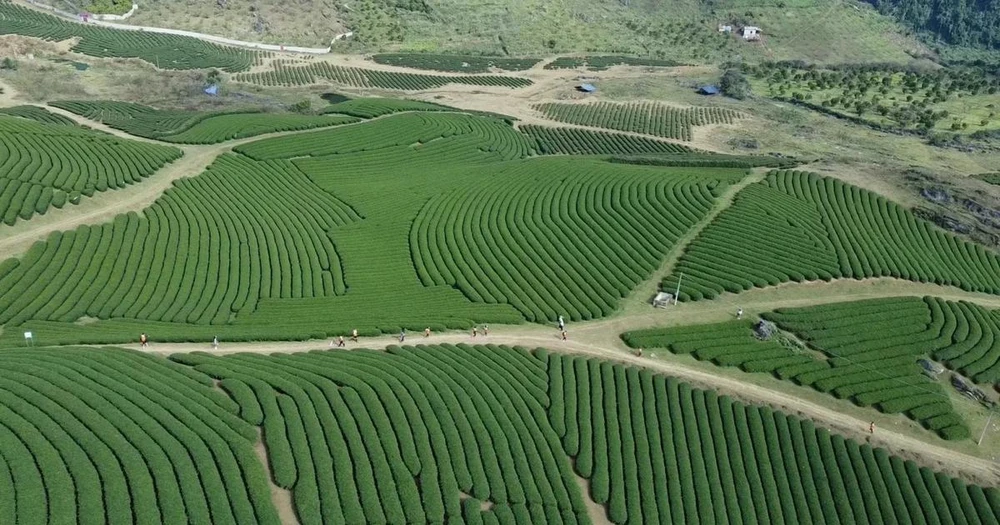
(709, 90)
(587, 88)
(212, 90)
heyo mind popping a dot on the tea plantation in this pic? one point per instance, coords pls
(474, 434)
(798, 226)
(195, 127)
(875, 366)
(284, 73)
(650, 118)
(46, 163)
(287, 238)
(163, 51)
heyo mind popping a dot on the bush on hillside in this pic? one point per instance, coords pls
(734, 84)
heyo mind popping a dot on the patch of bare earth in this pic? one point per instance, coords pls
(281, 498)
(596, 512)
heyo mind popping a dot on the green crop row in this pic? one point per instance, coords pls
(284, 74)
(874, 367)
(657, 451)
(650, 118)
(602, 62)
(194, 127)
(821, 228)
(162, 50)
(111, 436)
(427, 434)
(454, 63)
(574, 141)
(45, 165)
(377, 107)
(401, 437)
(558, 245)
(38, 114)
(209, 248)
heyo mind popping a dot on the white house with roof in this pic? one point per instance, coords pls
(750, 33)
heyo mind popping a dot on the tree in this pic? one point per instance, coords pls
(8, 63)
(734, 84)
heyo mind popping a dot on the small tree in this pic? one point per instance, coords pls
(734, 84)
(302, 106)
(8, 63)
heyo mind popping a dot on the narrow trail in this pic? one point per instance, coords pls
(594, 339)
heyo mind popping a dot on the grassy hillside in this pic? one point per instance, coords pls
(682, 29)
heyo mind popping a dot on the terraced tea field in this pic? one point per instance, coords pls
(163, 51)
(650, 118)
(275, 240)
(798, 226)
(454, 63)
(422, 216)
(195, 127)
(876, 366)
(287, 74)
(46, 163)
(427, 434)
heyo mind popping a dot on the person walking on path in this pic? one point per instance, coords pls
(562, 324)
(871, 428)
(486, 330)
(638, 352)
(215, 343)
(402, 335)
(739, 313)
(475, 332)
(143, 340)
(340, 342)
(564, 335)
(354, 335)
(427, 332)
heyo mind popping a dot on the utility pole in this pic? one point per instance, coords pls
(678, 292)
(985, 428)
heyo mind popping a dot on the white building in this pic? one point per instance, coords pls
(750, 33)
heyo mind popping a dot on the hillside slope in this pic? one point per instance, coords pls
(686, 30)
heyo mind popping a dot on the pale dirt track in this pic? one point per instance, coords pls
(939, 457)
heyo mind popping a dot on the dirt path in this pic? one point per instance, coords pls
(594, 339)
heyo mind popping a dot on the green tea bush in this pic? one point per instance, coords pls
(714, 458)
(874, 367)
(821, 228)
(289, 74)
(194, 127)
(454, 63)
(649, 118)
(42, 163)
